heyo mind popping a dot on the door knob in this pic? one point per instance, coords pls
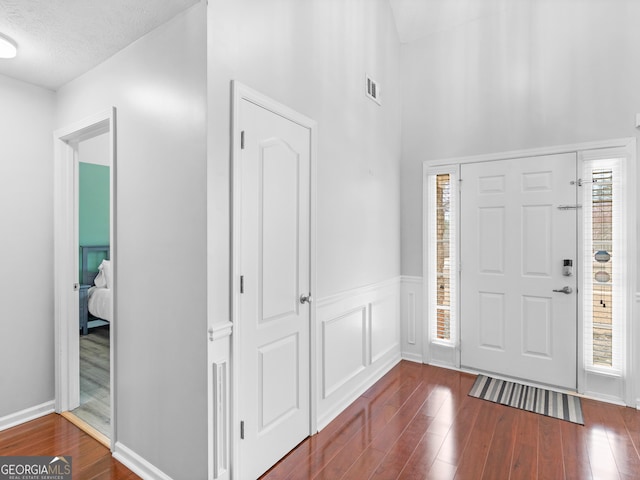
(305, 298)
(566, 290)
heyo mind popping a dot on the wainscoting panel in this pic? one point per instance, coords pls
(412, 323)
(344, 349)
(220, 397)
(384, 334)
(359, 341)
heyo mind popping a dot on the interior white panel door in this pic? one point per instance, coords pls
(274, 262)
(513, 241)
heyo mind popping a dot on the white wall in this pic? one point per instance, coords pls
(26, 256)
(158, 85)
(539, 73)
(313, 56)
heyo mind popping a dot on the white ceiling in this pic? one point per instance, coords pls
(416, 19)
(59, 40)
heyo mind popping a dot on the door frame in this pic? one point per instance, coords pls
(241, 92)
(631, 389)
(65, 253)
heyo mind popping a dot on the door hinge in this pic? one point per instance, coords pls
(241, 283)
(242, 430)
(242, 140)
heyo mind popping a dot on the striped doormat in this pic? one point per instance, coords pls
(536, 400)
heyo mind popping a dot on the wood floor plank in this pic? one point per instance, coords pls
(443, 471)
(456, 426)
(409, 390)
(524, 464)
(422, 458)
(408, 414)
(603, 464)
(53, 435)
(474, 456)
(574, 452)
(364, 464)
(550, 461)
(355, 429)
(398, 455)
(631, 421)
(95, 396)
(388, 435)
(499, 459)
(622, 446)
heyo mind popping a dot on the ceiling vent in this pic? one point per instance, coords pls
(373, 90)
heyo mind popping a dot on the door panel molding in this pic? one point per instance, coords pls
(242, 93)
(630, 393)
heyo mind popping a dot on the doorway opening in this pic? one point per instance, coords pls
(84, 254)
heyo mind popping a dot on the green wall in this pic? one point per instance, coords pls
(93, 208)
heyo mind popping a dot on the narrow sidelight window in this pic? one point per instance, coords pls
(605, 277)
(441, 257)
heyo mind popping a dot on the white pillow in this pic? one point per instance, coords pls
(104, 277)
(108, 273)
(101, 280)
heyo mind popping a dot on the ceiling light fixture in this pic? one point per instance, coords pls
(8, 47)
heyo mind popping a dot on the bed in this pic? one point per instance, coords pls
(96, 287)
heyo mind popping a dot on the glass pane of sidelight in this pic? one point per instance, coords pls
(602, 263)
(605, 270)
(443, 256)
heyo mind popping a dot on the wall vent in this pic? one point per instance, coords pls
(373, 90)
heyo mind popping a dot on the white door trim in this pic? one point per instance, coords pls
(241, 92)
(67, 349)
(632, 388)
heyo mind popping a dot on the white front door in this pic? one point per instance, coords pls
(517, 228)
(274, 277)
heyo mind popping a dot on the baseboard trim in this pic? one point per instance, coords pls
(412, 357)
(26, 415)
(137, 464)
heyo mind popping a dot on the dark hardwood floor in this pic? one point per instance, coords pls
(54, 435)
(417, 422)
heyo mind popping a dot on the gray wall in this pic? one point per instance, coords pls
(538, 73)
(158, 85)
(26, 253)
(313, 56)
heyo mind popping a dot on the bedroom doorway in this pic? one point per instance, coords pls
(94, 276)
(84, 274)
